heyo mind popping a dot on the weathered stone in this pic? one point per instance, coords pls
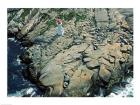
(80, 83)
(87, 60)
(29, 26)
(49, 79)
(103, 61)
(129, 48)
(104, 73)
(77, 56)
(14, 30)
(78, 41)
(122, 60)
(124, 49)
(111, 59)
(92, 64)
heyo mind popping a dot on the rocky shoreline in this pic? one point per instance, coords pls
(95, 52)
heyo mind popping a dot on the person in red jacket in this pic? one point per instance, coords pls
(59, 28)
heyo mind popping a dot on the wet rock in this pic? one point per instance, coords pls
(66, 78)
(66, 84)
(14, 30)
(26, 43)
(25, 58)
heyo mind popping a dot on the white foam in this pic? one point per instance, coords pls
(127, 91)
(11, 39)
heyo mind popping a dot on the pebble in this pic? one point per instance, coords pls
(66, 78)
(66, 84)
